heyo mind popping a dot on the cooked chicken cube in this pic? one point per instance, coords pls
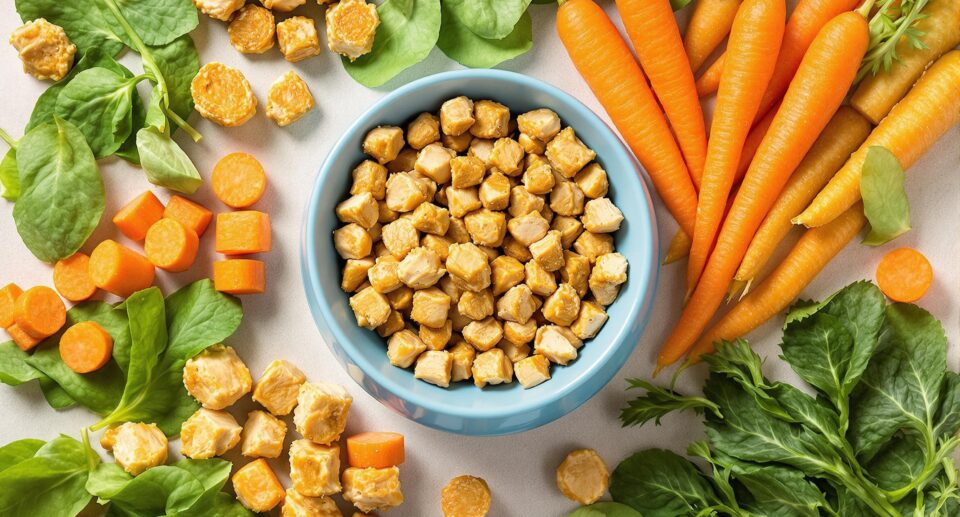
(522, 202)
(466, 171)
(486, 227)
(563, 306)
(136, 446)
(495, 191)
(507, 155)
(400, 237)
(278, 387)
(576, 272)
(405, 160)
(542, 124)
(383, 275)
(476, 306)
(420, 269)
(457, 233)
(386, 215)
(430, 218)
(436, 338)
(569, 227)
(462, 201)
(491, 252)
(288, 99)
(438, 243)
(547, 213)
(298, 38)
(462, 355)
(257, 487)
(492, 120)
(507, 272)
(404, 347)
(457, 320)
(372, 489)
(513, 351)
(296, 504)
(370, 177)
(592, 245)
(540, 281)
(469, 266)
(532, 370)
(519, 333)
(351, 27)
(539, 179)
(384, 143)
(44, 48)
(517, 304)
(315, 468)
(263, 435)
(566, 198)
(321, 413)
(548, 251)
(359, 208)
(401, 299)
(208, 433)
(492, 367)
(456, 115)
(516, 249)
(405, 192)
(217, 377)
(590, 320)
(355, 273)
(450, 287)
(352, 241)
(218, 9)
(567, 154)
(430, 307)
(370, 308)
(555, 345)
(601, 216)
(592, 180)
(434, 367)
(434, 162)
(459, 143)
(423, 131)
(483, 334)
(283, 6)
(583, 477)
(531, 145)
(481, 149)
(528, 229)
(393, 325)
(222, 94)
(610, 267)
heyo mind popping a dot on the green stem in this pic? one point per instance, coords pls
(8, 139)
(931, 468)
(865, 9)
(183, 124)
(92, 458)
(867, 493)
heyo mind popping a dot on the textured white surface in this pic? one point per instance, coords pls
(520, 468)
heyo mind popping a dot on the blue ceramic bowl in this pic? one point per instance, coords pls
(463, 408)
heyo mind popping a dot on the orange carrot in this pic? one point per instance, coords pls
(709, 81)
(754, 39)
(71, 277)
(240, 233)
(119, 270)
(8, 299)
(807, 107)
(238, 180)
(752, 143)
(171, 246)
(239, 276)
(920, 119)
(137, 216)
(375, 449)
(85, 347)
(904, 275)
(653, 30)
(24, 341)
(808, 257)
(709, 25)
(189, 214)
(39, 312)
(845, 132)
(608, 67)
(679, 247)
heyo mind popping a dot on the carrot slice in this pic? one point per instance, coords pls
(238, 180)
(189, 214)
(86, 347)
(24, 341)
(138, 216)
(39, 312)
(71, 277)
(239, 276)
(8, 299)
(904, 275)
(241, 233)
(171, 246)
(375, 449)
(119, 270)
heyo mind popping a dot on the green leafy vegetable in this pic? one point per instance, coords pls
(20, 450)
(488, 19)
(165, 163)
(199, 316)
(605, 509)
(99, 103)
(890, 22)
(884, 201)
(659, 483)
(459, 43)
(49, 483)
(659, 402)
(177, 62)
(159, 22)
(9, 176)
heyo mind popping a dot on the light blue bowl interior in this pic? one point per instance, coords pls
(463, 408)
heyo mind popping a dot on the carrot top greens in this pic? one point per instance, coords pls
(892, 21)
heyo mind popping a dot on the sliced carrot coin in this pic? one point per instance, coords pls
(138, 216)
(378, 450)
(8, 299)
(86, 347)
(71, 277)
(171, 246)
(190, 214)
(238, 180)
(904, 275)
(119, 270)
(24, 341)
(39, 312)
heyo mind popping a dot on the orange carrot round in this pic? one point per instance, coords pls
(709, 25)
(609, 68)
(40, 312)
(119, 270)
(190, 214)
(171, 246)
(136, 217)
(904, 275)
(71, 277)
(85, 347)
(8, 301)
(375, 449)
(238, 180)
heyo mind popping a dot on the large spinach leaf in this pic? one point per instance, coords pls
(159, 22)
(460, 44)
(85, 21)
(779, 491)
(488, 19)
(199, 316)
(659, 483)
(100, 103)
(20, 450)
(605, 509)
(50, 483)
(178, 63)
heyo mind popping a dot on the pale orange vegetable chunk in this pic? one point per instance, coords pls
(238, 180)
(71, 277)
(8, 298)
(86, 347)
(134, 219)
(239, 276)
(375, 449)
(171, 246)
(240, 233)
(190, 214)
(24, 341)
(39, 312)
(119, 270)
(904, 275)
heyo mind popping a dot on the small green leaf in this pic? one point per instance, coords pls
(199, 316)
(165, 163)
(462, 45)
(179, 63)
(100, 103)
(659, 483)
(50, 483)
(884, 201)
(659, 402)
(20, 450)
(779, 491)
(819, 349)
(9, 176)
(487, 19)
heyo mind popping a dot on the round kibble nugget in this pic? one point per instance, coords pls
(252, 30)
(583, 476)
(223, 95)
(465, 496)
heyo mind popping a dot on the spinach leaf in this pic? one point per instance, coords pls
(948, 416)
(187, 486)
(105, 480)
(9, 176)
(159, 22)
(50, 483)
(659, 483)
(138, 119)
(178, 63)
(165, 163)
(779, 491)
(85, 22)
(897, 465)
(803, 308)
(14, 366)
(819, 348)
(488, 19)
(62, 196)
(884, 201)
(20, 450)
(605, 509)
(199, 316)
(100, 103)
(408, 32)
(221, 505)
(460, 44)
(56, 396)
(860, 308)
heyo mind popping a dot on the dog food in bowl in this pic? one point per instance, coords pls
(472, 237)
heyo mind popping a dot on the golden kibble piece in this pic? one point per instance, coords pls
(583, 476)
(465, 496)
(223, 95)
(252, 30)
(289, 99)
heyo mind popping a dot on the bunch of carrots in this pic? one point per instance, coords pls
(792, 155)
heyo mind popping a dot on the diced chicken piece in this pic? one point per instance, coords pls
(359, 208)
(513, 351)
(481, 149)
(423, 131)
(507, 272)
(296, 504)
(430, 307)
(566, 198)
(462, 201)
(257, 487)
(531, 145)
(569, 227)
(555, 345)
(492, 367)
(434, 366)
(278, 387)
(476, 306)
(522, 202)
(136, 446)
(352, 241)
(401, 299)
(321, 413)
(386, 215)
(420, 269)
(601, 216)
(567, 154)
(370, 308)
(351, 27)
(434, 162)
(507, 155)
(298, 38)
(539, 179)
(448, 286)
(370, 177)
(590, 320)
(404, 347)
(217, 377)
(289, 98)
(548, 252)
(528, 229)
(457, 233)
(542, 124)
(400, 237)
(547, 213)
(372, 489)
(393, 325)
(383, 275)
(532, 371)
(218, 9)
(592, 180)
(483, 334)
(486, 227)
(315, 468)
(563, 306)
(436, 338)
(516, 249)
(540, 281)
(583, 476)
(44, 48)
(576, 272)
(283, 6)
(466, 171)
(405, 161)
(520, 333)
(208, 433)
(456, 115)
(492, 120)
(606, 277)
(438, 243)
(384, 143)
(517, 304)
(592, 245)
(405, 192)
(462, 355)
(355, 273)
(263, 435)
(495, 191)
(469, 267)
(430, 218)
(459, 143)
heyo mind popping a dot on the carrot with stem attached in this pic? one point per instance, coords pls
(653, 30)
(709, 25)
(609, 68)
(754, 39)
(822, 80)
(920, 119)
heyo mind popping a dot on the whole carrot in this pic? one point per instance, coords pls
(920, 119)
(752, 143)
(608, 67)
(679, 247)
(754, 42)
(709, 81)
(709, 25)
(821, 82)
(653, 30)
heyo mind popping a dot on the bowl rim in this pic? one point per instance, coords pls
(640, 308)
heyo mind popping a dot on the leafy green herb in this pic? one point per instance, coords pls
(99, 103)
(159, 22)
(488, 19)
(20, 450)
(459, 43)
(884, 200)
(605, 509)
(165, 163)
(199, 316)
(9, 176)
(49, 483)
(659, 483)
(892, 21)
(659, 402)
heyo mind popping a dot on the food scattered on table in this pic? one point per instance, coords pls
(86, 347)
(583, 476)
(223, 95)
(465, 496)
(71, 278)
(298, 38)
(44, 48)
(252, 29)
(289, 99)
(351, 27)
(136, 446)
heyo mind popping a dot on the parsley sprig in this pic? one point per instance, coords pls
(889, 24)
